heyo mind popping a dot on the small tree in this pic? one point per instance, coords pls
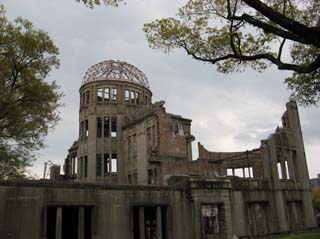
(28, 104)
(234, 34)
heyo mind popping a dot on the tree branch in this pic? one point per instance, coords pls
(271, 29)
(311, 34)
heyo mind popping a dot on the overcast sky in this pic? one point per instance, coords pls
(229, 112)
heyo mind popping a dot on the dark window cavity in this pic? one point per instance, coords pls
(99, 127)
(106, 125)
(113, 126)
(99, 164)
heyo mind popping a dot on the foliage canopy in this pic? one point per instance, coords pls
(28, 104)
(235, 34)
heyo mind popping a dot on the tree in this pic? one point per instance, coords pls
(28, 104)
(235, 34)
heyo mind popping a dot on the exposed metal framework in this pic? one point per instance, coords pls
(115, 70)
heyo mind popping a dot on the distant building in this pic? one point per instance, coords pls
(315, 182)
(130, 174)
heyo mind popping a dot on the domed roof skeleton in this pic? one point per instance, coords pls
(115, 70)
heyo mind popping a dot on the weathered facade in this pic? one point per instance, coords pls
(130, 174)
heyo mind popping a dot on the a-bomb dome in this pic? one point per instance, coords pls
(115, 70)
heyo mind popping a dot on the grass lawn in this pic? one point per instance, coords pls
(308, 235)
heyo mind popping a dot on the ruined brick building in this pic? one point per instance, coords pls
(130, 174)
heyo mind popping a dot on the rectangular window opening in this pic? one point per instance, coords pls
(99, 127)
(149, 214)
(211, 217)
(127, 96)
(287, 169)
(81, 130)
(98, 164)
(114, 163)
(83, 99)
(88, 97)
(66, 218)
(154, 135)
(149, 137)
(279, 170)
(238, 172)
(132, 95)
(106, 126)
(99, 94)
(85, 166)
(129, 148)
(86, 123)
(113, 127)
(134, 145)
(106, 164)
(106, 94)
(114, 92)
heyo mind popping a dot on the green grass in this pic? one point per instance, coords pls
(309, 235)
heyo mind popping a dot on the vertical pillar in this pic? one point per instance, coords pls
(159, 223)
(244, 173)
(73, 166)
(292, 173)
(81, 223)
(141, 223)
(232, 171)
(59, 223)
(284, 169)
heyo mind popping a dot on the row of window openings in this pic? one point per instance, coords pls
(246, 172)
(107, 94)
(103, 94)
(85, 97)
(110, 165)
(283, 172)
(104, 127)
(104, 130)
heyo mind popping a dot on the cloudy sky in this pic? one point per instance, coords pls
(229, 112)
